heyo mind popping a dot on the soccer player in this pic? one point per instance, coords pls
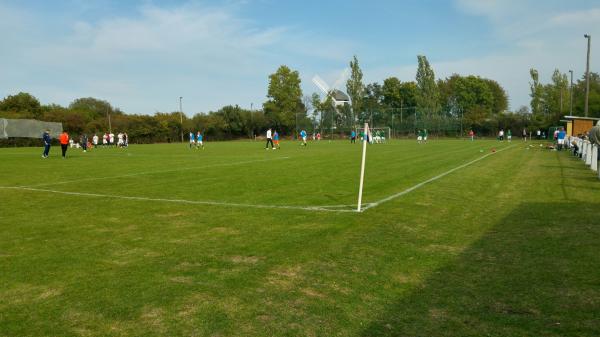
(524, 134)
(509, 135)
(104, 139)
(192, 139)
(472, 135)
(64, 143)
(84, 142)
(95, 140)
(353, 137)
(425, 134)
(501, 135)
(419, 136)
(111, 139)
(303, 135)
(561, 138)
(276, 139)
(199, 141)
(47, 141)
(269, 139)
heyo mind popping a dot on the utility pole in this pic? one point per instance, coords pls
(181, 117)
(571, 94)
(252, 119)
(587, 74)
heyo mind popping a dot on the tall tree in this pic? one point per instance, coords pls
(428, 93)
(557, 95)
(355, 87)
(392, 92)
(500, 98)
(536, 92)
(285, 98)
(373, 106)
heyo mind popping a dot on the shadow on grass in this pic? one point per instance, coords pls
(537, 273)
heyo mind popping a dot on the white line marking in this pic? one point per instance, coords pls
(394, 196)
(155, 172)
(326, 208)
(181, 201)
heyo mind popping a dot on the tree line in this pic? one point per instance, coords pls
(450, 106)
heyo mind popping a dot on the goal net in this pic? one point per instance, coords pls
(27, 128)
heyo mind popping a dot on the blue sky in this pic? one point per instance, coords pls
(142, 55)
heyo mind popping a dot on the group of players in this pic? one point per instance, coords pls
(196, 141)
(273, 139)
(108, 140)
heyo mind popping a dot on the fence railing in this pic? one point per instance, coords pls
(589, 153)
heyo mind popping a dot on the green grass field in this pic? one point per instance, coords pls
(160, 240)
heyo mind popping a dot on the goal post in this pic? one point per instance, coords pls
(367, 135)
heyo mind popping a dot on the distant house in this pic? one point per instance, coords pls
(579, 125)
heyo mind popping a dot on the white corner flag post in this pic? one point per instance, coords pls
(366, 136)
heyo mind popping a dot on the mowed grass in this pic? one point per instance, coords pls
(507, 246)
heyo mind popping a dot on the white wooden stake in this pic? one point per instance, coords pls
(362, 166)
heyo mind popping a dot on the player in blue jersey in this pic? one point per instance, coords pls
(199, 142)
(192, 139)
(47, 141)
(276, 139)
(303, 136)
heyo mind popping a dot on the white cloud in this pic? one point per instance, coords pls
(210, 55)
(538, 35)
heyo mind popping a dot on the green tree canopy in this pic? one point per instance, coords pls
(95, 108)
(355, 87)
(284, 98)
(428, 94)
(23, 104)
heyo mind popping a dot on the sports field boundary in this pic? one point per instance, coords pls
(323, 208)
(421, 184)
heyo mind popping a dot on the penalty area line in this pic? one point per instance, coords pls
(181, 201)
(421, 184)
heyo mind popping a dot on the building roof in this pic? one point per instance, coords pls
(339, 96)
(578, 117)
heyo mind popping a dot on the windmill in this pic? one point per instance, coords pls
(338, 97)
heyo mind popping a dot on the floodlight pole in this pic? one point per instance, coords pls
(366, 135)
(181, 117)
(587, 74)
(571, 95)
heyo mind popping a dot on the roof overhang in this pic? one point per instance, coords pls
(584, 118)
